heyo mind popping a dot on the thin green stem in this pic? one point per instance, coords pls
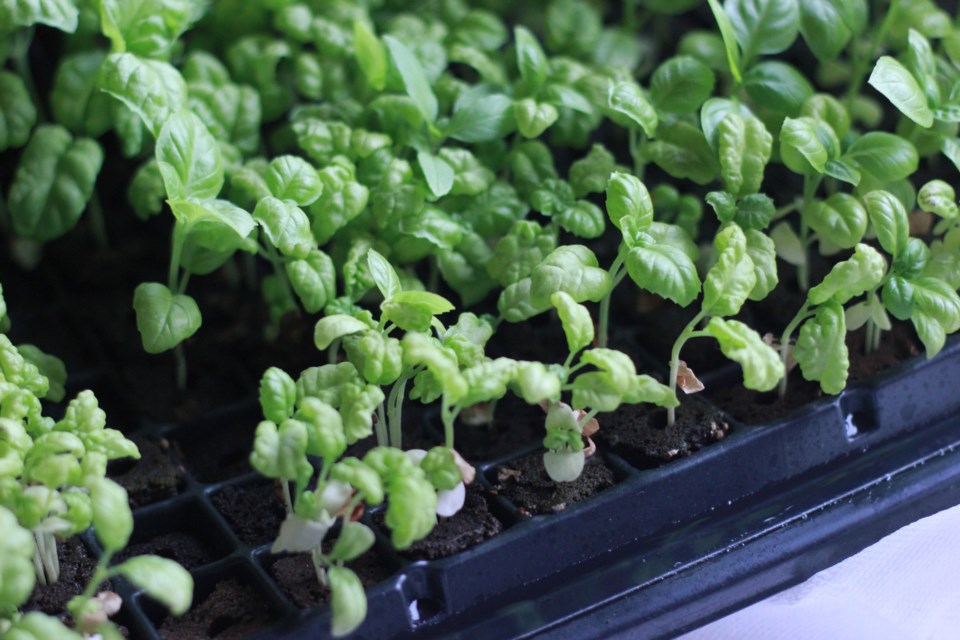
(686, 334)
(333, 353)
(587, 417)
(383, 439)
(636, 139)
(176, 252)
(100, 574)
(448, 415)
(277, 262)
(395, 411)
(287, 498)
(617, 272)
(810, 185)
(802, 315)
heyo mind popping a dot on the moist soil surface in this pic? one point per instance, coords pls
(76, 567)
(641, 436)
(220, 448)
(752, 407)
(253, 510)
(152, 478)
(297, 578)
(232, 610)
(515, 425)
(473, 524)
(185, 548)
(897, 345)
(525, 483)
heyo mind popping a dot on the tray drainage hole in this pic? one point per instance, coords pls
(859, 422)
(422, 609)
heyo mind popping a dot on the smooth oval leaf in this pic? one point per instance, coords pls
(17, 112)
(895, 81)
(164, 319)
(162, 579)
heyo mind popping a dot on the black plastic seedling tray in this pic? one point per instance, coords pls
(662, 552)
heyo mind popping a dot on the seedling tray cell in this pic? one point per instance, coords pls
(660, 552)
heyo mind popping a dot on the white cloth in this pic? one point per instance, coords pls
(904, 587)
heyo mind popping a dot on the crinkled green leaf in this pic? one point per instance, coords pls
(59, 14)
(576, 321)
(629, 107)
(861, 272)
(743, 148)
(762, 366)
(377, 357)
(152, 89)
(189, 158)
(533, 118)
(682, 151)
(17, 111)
(286, 226)
(53, 183)
(821, 349)
(278, 394)
(937, 196)
(147, 28)
(665, 271)
(732, 278)
(763, 253)
(293, 178)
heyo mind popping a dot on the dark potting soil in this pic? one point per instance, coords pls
(297, 578)
(515, 425)
(538, 338)
(232, 610)
(152, 478)
(470, 526)
(185, 548)
(254, 511)
(896, 345)
(218, 453)
(641, 436)
(76, 567)
(525, 483)
(752, 407)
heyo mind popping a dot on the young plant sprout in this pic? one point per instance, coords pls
(613, 382)
(300, 424)
(658, 257)
(727, 286)
(821, 350)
